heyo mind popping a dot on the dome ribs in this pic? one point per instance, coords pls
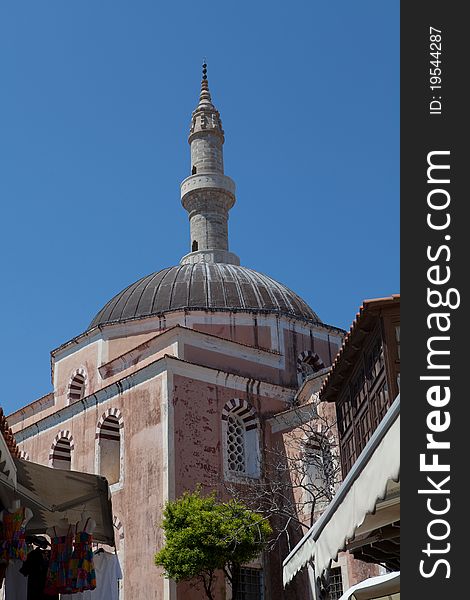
(162, 298)
(197, 290)
(203, 286)
(148, 295)
(215, 287)
(232, 294)
(180, 289)
(106, 314)
(133, 301)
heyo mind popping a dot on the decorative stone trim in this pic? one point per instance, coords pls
(243, 410)
(117, 416)
(77, 385)
(65, 452)
(307, 356)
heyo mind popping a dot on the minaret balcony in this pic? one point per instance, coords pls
(214, 181)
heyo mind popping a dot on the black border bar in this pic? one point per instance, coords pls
(435, 271)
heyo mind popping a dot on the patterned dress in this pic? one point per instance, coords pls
(57, 580)
(81, 573)
(12, 539)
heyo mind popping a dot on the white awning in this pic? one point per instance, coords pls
(384, 587)
(357, 497)
(53, 494)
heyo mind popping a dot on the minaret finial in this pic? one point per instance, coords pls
(205, 99)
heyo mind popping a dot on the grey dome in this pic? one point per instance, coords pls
(205, 286)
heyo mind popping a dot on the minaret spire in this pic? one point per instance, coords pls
(205, 95)
(208, 194)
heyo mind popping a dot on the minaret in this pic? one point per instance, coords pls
(207, 194)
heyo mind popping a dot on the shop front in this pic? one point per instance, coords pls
(53, 526)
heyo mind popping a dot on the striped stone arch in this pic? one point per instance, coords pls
(310, 358)
(119, 528)
(77, 385)
(115, 423)
(62, 447)
(243, 410)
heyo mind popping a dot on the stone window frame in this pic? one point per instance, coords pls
(314, 360)
(111, 412)
(320, 451)
(81, 372)
(248, 417)
(63, 434)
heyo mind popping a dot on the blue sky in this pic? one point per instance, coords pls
(94, 116)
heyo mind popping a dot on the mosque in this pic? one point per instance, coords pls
(177, 379)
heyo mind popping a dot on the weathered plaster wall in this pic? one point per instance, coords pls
(120, 345)
(86, 358)
(252, 335)
(138, 501)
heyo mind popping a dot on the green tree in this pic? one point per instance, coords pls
(204, 536)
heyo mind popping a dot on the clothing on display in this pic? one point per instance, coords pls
(67, 569)
(57, 579)
(12, 535)
(81, 572)
(35, 569)
(108, 573)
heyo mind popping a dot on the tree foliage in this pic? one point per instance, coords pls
(204, 535)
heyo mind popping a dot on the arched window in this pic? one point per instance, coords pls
(77, 386)
(61, 452)
(308, 363)
(195, 246)
(319, 470)
(236, 444)
(240, 434)
(109, 447)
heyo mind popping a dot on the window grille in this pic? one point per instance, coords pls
(336, 584)
(250, 585)
(236, 444)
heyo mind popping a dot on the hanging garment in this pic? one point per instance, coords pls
(16, 586)
(3, 568)
(81, 573)
(13, 543)
(108, 572)
(57, 580)
(35, 569)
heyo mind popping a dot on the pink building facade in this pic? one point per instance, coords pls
(151, 394)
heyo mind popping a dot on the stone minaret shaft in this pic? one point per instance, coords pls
(207, 194)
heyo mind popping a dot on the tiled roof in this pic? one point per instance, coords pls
(368, 308)
(8, 436)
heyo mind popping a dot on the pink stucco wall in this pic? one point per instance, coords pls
(193, 442)
(138, 503)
